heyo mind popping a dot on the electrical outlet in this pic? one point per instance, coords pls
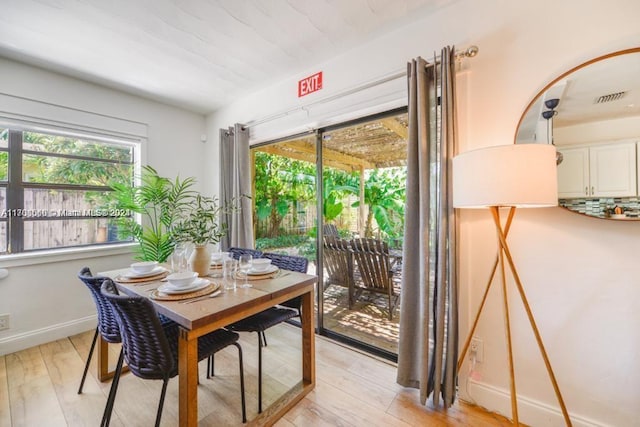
(4, 322)
(476, 350)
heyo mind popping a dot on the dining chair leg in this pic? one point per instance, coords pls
(264, 338)
(259, 374)
(165, 382)
(244, 407)
(210, 366)
(108, 409)
(86, 365)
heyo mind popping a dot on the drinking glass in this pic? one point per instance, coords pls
(229, 273)
(244, 264)
(188, 251)
(178, 259)
(217, 263)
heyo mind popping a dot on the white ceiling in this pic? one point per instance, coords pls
(196, 54)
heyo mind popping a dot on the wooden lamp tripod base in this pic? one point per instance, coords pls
(503, 252)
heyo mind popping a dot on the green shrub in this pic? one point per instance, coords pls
(283, 241)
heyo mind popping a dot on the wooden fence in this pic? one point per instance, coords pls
(69, 232)
(43, 228)
(306, 220)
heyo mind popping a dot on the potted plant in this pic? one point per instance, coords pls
(161, 203)
(200, 226)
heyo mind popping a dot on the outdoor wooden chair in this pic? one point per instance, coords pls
(338, 262)
(372, 258)
(330, 230)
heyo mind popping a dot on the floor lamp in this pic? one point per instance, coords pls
(508, 176)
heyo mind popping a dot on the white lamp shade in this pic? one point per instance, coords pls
(519, 175)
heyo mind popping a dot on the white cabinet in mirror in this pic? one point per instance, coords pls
(594, 179)
(591, 114)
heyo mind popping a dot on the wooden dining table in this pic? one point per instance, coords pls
(206, 315)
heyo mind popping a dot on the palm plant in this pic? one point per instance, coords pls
(161, 203)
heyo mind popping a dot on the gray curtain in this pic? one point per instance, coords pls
(428, 347)
(235, 187)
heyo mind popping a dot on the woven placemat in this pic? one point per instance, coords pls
(271, 275)
(157, 295)
(133, 280)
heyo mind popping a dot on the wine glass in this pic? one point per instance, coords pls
(244, 264)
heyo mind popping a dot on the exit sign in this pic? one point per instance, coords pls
(310, 84)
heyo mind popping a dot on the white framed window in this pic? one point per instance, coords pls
(55, 185)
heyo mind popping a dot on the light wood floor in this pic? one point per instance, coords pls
(38, 387)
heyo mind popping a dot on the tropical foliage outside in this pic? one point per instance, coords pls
(42, 165)
(81, 167)
(287, 188)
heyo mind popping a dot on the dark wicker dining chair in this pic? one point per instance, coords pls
(107, 323)
(151, 350)
(108, 327)
(236, 252)
(272, 316)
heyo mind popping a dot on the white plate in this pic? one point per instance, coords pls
(267, 270)
(197, 284)
(133, 275)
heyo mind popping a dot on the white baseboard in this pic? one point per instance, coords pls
(36, 337)
(530, 412)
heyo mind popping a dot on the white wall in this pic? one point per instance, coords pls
(42, 294)
(603, 130)
(580, 274)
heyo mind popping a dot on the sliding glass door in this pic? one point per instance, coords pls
(364, 174)
(284, 196)
(337, 197)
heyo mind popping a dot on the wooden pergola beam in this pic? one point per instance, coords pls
(306, 151)
(395, 127)
(328, 154)
(305, 157)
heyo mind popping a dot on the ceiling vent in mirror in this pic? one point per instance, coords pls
(610, 97)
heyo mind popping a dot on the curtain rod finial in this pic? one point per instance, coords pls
(471, 51)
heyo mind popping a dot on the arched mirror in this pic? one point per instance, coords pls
(591, 114)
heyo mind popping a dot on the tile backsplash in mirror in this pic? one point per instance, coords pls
(604, 207)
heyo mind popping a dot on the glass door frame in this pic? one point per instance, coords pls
(320, 329)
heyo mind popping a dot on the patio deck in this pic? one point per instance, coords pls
(367, 321)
